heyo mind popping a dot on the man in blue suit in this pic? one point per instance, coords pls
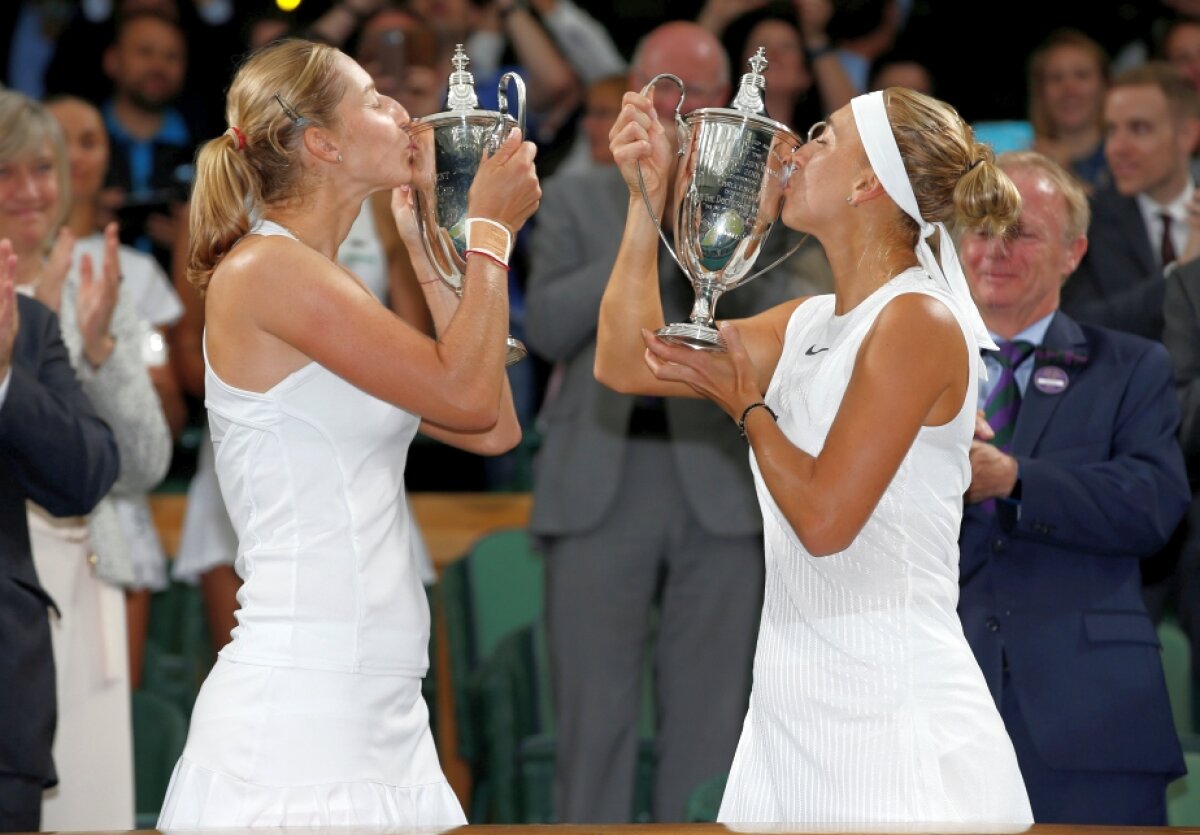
(55, 451)
(1068, 493)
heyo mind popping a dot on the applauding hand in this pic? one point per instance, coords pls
(97, 299)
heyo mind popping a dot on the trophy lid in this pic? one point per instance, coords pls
(462, 83)
(749, 94)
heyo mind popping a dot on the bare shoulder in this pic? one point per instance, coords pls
(919, 318)
(915, 330)
(268, 264)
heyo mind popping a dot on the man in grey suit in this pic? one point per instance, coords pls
(639, 502)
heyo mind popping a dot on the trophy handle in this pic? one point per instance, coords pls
(502, 99)
(773, 264)
(681, 129)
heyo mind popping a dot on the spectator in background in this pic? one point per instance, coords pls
(895, 69)
(210, 26)
(1068, 76)
(1141, 223)
(84, 564)
(602, 103)
(147, 286)
(805, 82)
(153, 145)
(1181, 336)
(1075, 478)
(1181, 47)
(489, 31)
(638, 503)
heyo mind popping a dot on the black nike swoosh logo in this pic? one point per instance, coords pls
(812, 353)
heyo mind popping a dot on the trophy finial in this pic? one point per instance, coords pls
(758, 61)
(461, 93)
(749, 94)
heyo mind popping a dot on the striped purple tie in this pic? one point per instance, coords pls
(1003, 403)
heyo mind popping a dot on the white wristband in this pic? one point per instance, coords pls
(490, 236)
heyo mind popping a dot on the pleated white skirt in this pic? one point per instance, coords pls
(275, 746)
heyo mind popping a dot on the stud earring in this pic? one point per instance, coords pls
(850, 200)
(339, 157)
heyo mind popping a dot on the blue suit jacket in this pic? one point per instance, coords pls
(1055, 586)
(57, 452)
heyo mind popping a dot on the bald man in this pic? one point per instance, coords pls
(641, 505)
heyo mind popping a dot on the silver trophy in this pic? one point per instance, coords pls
(449, 147)
(733, 164)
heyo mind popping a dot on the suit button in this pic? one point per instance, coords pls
(993, 624)
(998, 546)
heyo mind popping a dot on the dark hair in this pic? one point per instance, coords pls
(125, 20)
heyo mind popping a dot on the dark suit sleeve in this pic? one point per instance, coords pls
(51, 439)
(1136, 308)
(1181, 335)
(562, 301)
(1129, 503)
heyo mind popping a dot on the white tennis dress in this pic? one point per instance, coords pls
(868, 706)
(313, 714)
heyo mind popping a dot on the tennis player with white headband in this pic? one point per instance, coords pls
(859, 408)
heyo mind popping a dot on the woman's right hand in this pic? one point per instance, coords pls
(638, 136)
(506, 187)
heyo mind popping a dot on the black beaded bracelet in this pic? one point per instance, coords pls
(748, 410)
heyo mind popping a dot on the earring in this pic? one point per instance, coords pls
(850, 200)
(339, 157)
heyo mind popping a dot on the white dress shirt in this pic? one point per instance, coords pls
(1177, 209)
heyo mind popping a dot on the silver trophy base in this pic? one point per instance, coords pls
(516, 351)
(699, 337)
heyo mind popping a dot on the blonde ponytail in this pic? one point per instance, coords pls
(279, 92)
(218, 215)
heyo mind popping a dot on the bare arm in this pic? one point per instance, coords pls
(404, 293)
(911, 372)
(440, 303)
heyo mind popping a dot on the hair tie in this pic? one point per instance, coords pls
(239, 138)
(971, 167)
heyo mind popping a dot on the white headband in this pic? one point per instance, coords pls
(870, 114)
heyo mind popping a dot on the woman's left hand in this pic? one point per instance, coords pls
(726, 378)
(97, 299)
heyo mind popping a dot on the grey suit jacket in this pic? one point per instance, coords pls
(578, 470)
(1181, 335)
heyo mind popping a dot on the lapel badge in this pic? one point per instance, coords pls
(1050, 379)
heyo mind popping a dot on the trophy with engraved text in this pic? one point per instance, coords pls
(733, 164)
(449, 147)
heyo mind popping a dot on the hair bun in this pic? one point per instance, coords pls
(984, 197)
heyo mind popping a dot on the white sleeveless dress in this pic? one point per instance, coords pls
(313, 714)
(868, 706)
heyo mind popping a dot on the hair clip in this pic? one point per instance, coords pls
(288, 110)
